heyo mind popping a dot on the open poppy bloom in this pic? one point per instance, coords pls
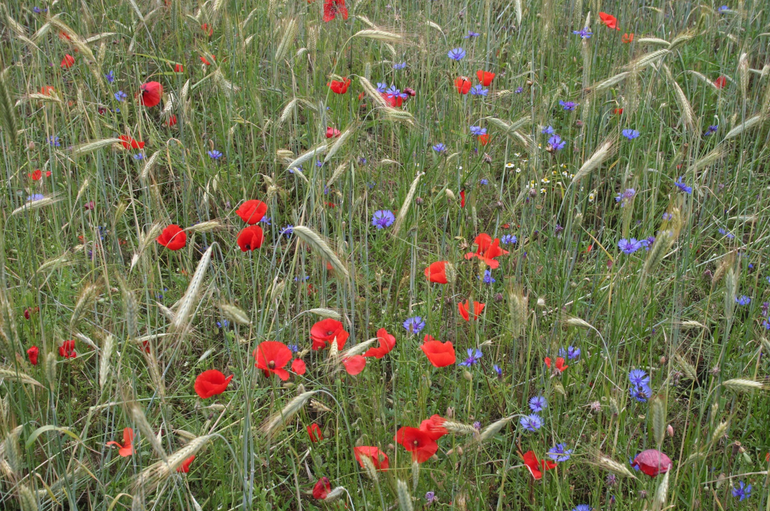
(434, 427)
(298, 366)
(355, 364)
(463, 84)
(393, 100)
(465, 308)
(334, 7)
(171, 121)
(172, 237)
(324, 332)
(68, 61)
(487, 250)
(32, 354)
(150, 94)
(559, 363)
(386, 343)
(127, 449)
(37, 175)
(179, 68)
(535, 467)
(271, 357)
(485, 77)
(378, 458)
(322, 488)
(129, 142)
(609, 20)
(250, 238)
(484, 139)
(314, 432)
(440, 354)
(338, 87)
(211, 383)
(252, 211)
(67, 349)
(436, 272)
(418, 442)
(652, 462)
(185, 466)
(332, 132)
(627, 38)
(720, 82)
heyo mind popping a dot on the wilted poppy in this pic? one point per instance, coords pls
(440, 354)
(627, 38)
(33, 353)
(485, 77)
(179, 68)
(172, 237)
(252, 211)
(271, 357)
(434, 427)
(322, 488)
(436, 272)
(338, 87)
(652, 462)
(463, 84)
(418, 442)
(250, 238)
(334, 7)
(332, 132)
(37, 175)
(378, 458)
(185, 466)
(298, 366)
(127, 449)
(720, 82)
(150, 94)
(67, 349)
(314, 432)
(129, 142)
(487, 250)
(386, 343)
(465, 307)
(535, 467)
(609, 20)
(68, 61)
(355, 364)
(211, 383)
(559, 363)
(326, 331)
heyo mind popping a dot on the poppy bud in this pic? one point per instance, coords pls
(670, 430)
(419, 201)
(450, 195)
(532, 192)
(468, 376)
(579, 123)
(541, 302)
(662, 360)
(529, 83)
(410, 91)
(450, 412)
(499, 297)
(31, 145)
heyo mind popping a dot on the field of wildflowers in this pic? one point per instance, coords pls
(373, 255)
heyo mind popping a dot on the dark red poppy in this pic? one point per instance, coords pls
(609, 20)
(150, 94)
(535, 467)
(314, 432)
(627, 38)
(250, 238)
(465, 308)
(355, 364)
(172, 237)
(129, 142)
(271, 357)
(720, 82)
(127, 449)
(559, 363)
(487, 250)
(436, 272)
(252, 211)
(207, 29)
(418, 442)
(334, 7)
(485, 77)
(338, 87)
(185, 466)
(652, 462)
(484, 139)
(47, 90)
(440, 354)
(37, 175)
(322, 488)
(378, 458)
(33, 353)
(179, 68)
(68, 61)
(332, 132)
(67, 349)
(434, 427)
(462, 198)
(386, 343)
(298, 366)
(408, 90)
(171, 121)
(324, 332)
(463, 84)
(211, 383)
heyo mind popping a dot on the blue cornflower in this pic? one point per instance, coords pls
(683, 186)
(724, 8)
(110, 77)
(583, 33)
(456, 54)
(538, 403)
(640, 392)
(483, 182)
(508, 239)
(548, 130)
(382, 87)
(120, 95)
(742, 491)
(629, 246)
(35, 197)
(725, 233)
(626, 196)
(488, 279)
(54, 141)
(471, 34)
(288, 230)
(582, 507)
(400, 65)
(383, 218)
(742, 300)
(393, 91)
(568, 105)
(38, 10)
(478, 130)
(139, 156)
(638, 377)
(319, 163)
(414, 325)
(430, 497)
(265, 220)
(497, 370)
(439, 148)
(630, 134)
(556, 143)
(667, 216)
(293, 347)
(223, 324)
(214, 154)
(711, 130)
(559, 453)
(473, 357)
(766, 324)
(571, 352)
(479, 90)
(531, 422)
(518, 90)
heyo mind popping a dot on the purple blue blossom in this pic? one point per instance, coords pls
(508, 239)
(537, 404)
(568, 105)
(630, 134)
(559, 453)
(742, 492)
(383, 218)
(439, 148)
(478, 130)
(629, 246)
(414, 325)
(548, 130)
(742, 300)
(214, 154)
(471, 34)
(400, 65)
(474, 355)
(531, 422)
(683, 186)
(556, 143)
(120, 95)
(456, 54)
(584, 33)
(479, 90)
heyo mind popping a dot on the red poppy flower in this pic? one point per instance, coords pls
(322, 488)
(627, 38)
(47, 90)
(392, 100)
(298, 366)
(378, 458)
(434, 427)
(185, 466)
(64, 36)
(211, 383)
(440, 354)
(609, 20)
(127, 449)
(618, 111)
(127, 142)
(179, 68)
(29, 311)
(150, 94)
(325, 331)
(652, 462)
(207, 29)
(463, 84)
(206, 61)
(332, 132)
(462, 198)
(418, 442)
(559, 363)
(484, 139)
(67, 349)
(487, 250)
(33, 353)
(314, 432)
(37, 175)
(485, 77)
(386, 343)
(334, 7)
(465, 308)
(720, 82)
(171, 121)
(252, 211)
(436, 272)
(271, 357)
(535, 467)
(68, 61)
(339, 87)
(250, 238)
(172, 237)
(355, 364)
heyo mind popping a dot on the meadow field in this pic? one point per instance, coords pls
(384, 255)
